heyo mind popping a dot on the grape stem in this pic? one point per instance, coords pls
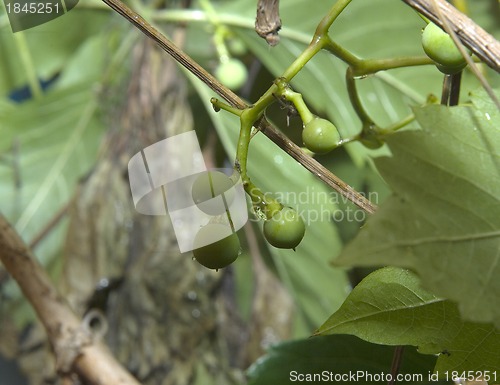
(396, 126)
(362, 67)
(366, 121)
(268, 205)
(451, 89)
(220, 30)
(296, 98)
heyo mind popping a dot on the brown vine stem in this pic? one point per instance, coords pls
(272, 133)
(396, 364)
(74, 348)
(485, 46)
(49, 226)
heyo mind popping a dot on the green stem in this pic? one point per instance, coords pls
(319, 41)
(355, 101)
(218, 105)
(246, 122)
(396, 126)
(343, 54)
(325, 24)
(264, 203)
(316, 45)
(312, 49)
(366, 67)
(354, 138)
(256, 111)
(427, 21)
(220, 45)
(210, 12)
(363, 67)
(220, 30)
(267, 98)
(296, 99)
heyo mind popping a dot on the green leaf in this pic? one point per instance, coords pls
(443, 219)
(332, 359)
(390, 307)
(50, 45)
(49, 143)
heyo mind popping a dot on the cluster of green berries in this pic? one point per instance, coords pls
(283, 229)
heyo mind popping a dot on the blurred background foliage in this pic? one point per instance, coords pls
(49, 139)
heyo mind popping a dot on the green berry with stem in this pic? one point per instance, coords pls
(216, 254)
(297, 100)
(209, 185)
(320, 136)
(441, 48)
(232, 73)
(236, 46)
(285, 229)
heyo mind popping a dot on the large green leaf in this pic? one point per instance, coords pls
(443, 220)
(49, 46)
(56, 141)
(390, 307)
(336, 359)
(50, 142)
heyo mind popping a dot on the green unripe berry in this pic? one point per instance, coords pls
(320, 136)
(218, 254)
(232, 73)
(440, 47)
(209, 185)
(285, 229)
(237, 47)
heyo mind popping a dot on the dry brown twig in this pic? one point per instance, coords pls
(268, 22)
(74, 347)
